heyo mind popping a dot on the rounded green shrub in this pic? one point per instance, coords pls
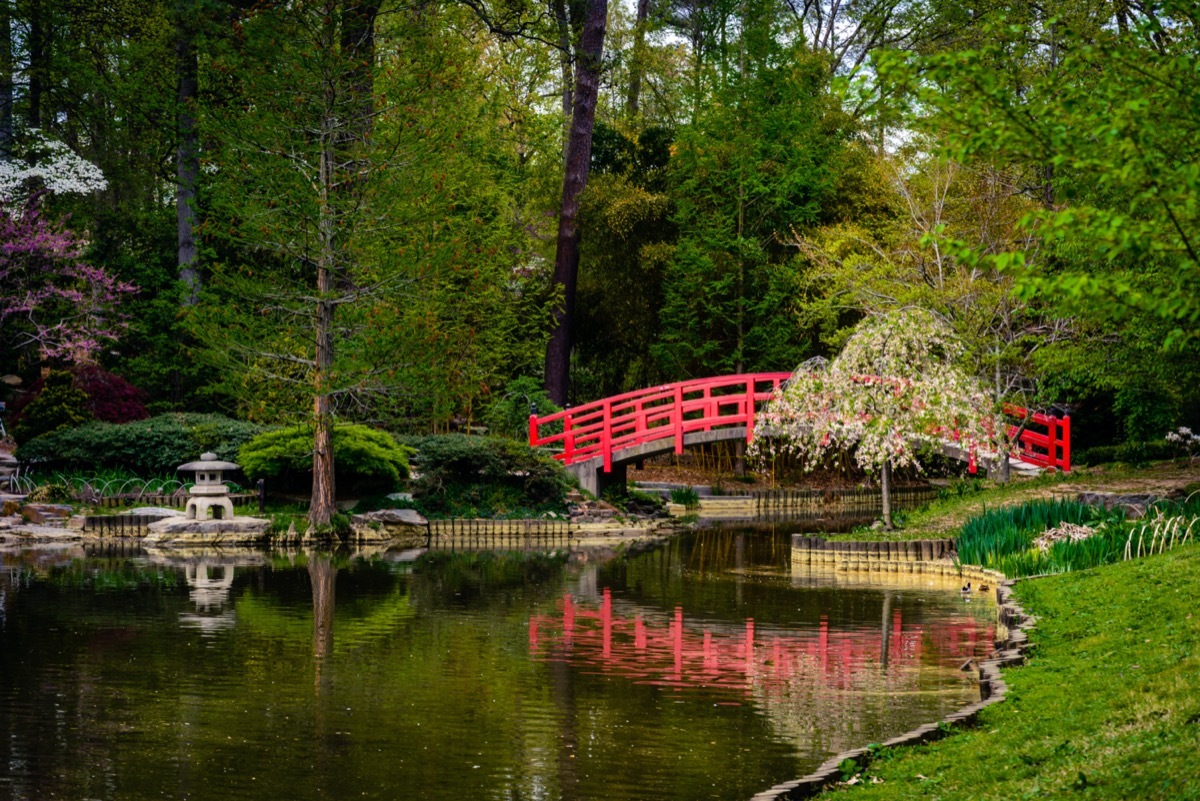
(468, 476)
(365, 459)
(143, 447)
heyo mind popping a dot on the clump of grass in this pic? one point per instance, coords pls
(686, 497)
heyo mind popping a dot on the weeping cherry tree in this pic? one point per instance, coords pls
(895, 389)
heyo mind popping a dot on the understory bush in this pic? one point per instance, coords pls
(365, 459)
(59, 405)
(145, 447)
(106, 396)
(465, 476)
(1135, 453)
(508, 413)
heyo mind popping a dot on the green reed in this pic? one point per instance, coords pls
(1002, 539)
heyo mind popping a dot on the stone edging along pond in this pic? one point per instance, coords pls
(992, 687)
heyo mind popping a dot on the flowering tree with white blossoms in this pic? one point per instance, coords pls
(47, 165)
(895, 388)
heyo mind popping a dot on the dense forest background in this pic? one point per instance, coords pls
(412, 212)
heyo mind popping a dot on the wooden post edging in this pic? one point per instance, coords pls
(992, 689)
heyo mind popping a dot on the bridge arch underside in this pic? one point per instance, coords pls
(592, 477)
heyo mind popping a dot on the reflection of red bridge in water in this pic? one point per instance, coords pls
(666, 652)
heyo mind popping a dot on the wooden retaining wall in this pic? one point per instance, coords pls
(785, 504)
(119, 526)
(501, 535)
(842, 501)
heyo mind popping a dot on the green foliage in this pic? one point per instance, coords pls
(144, 447)
(365, 459)
(508, 414)
(758, 161)
(464, 476)
(686, 497)
(59, 406)
(1002, 538)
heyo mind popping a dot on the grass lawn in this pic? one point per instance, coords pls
(1108, 705)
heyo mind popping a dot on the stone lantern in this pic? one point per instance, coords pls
(209, 492)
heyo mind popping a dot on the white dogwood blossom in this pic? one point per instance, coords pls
(51, 165)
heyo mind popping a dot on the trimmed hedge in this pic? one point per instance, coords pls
(472, 476)
(144, 447)
(365, 459)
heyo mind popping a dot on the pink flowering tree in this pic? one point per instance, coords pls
(895, 390)
(53, 300)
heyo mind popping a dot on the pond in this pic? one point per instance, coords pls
(703, 669)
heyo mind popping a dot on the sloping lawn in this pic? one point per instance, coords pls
(1108, 705)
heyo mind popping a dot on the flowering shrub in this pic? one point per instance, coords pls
(1183, 439)
(49, 165)
(895, 387)
(52, 299)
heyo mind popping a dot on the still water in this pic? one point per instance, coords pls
(701, 670)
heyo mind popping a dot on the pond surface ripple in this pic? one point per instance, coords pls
(702, 670)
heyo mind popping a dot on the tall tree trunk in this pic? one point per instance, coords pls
(321, 509)
(6, 82)
(37, 60)
(575, 176)
(559, 9)
(187, 159)
(637, 64)
(885, 484)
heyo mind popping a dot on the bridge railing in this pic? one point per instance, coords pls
(600, 428)
(1048, 445)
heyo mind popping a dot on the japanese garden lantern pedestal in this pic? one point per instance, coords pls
(209, 493)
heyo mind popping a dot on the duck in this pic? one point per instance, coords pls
(984, 588)
(966, 591)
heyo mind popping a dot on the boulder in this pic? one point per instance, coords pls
(1135, 505)
(401, 527)
(179, 532)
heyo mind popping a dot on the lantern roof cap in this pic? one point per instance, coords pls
(208, 461)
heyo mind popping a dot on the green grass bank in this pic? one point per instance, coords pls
(1107, 705)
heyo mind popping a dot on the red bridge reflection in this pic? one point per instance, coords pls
(665, 650)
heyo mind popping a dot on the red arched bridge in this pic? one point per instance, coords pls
(596, 441)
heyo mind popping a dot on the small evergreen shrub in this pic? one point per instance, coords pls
(365, 459)
(58, 406)
(466, 476)
(146, 447)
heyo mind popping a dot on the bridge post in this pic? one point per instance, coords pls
(678, 414)
(1066, 444)
(749, 410)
